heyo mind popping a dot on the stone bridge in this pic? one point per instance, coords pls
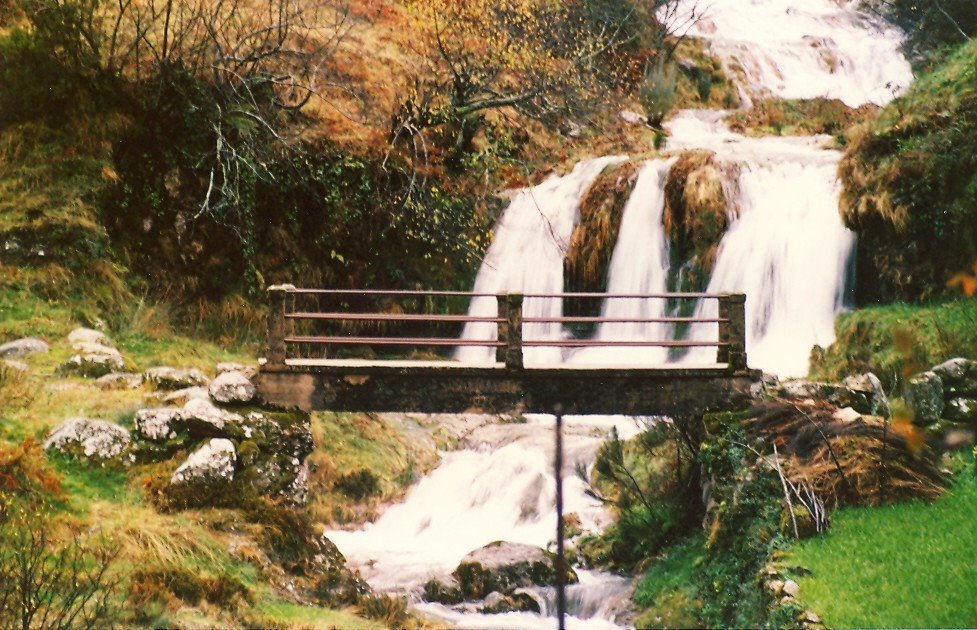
(312, 362)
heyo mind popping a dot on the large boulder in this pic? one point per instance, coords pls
(204, 418)
(232, 388)
(273, 449)
(870, 385)
(23, 347)
(924, 395)
(158, 425)
(80, 336)
(505, 566)
(959, 378)
(97, 440)
(170, 378)
(211, 465)
(94, 360)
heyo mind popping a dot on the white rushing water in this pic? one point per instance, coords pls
(526, 256)
(500, 488)
(803, 48)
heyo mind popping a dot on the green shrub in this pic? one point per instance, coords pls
(657, 92)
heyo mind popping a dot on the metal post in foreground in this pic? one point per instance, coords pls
(513, 349)
(561, 567)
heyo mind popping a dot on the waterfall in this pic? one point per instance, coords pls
(639, 264)
(526, 256)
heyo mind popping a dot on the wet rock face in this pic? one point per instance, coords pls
(97, 440)
(504, 567)
(22, 348)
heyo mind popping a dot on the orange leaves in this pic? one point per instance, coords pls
(966, 281)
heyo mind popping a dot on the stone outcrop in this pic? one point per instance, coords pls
(97, 440)
(232, 388)
(23, 347)
(944, 401)
(170, 378)
(80, 336)
(95, 356)
(504, 567)
(228, 366)
(210, 465)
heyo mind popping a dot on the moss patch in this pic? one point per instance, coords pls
(792, 117)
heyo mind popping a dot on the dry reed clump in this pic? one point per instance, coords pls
(865, 461)
(698, 199)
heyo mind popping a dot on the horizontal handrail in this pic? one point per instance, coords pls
(621, 343)
(393, 317)
(509, 323)
(473, 294)
(394, 341)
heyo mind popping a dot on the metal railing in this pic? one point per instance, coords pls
(285, 314)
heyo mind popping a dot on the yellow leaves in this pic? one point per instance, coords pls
(966, 281)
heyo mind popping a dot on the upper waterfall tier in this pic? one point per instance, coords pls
(806, 49)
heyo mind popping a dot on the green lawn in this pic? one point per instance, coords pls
(911, 565)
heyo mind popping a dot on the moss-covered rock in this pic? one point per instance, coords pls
(504, 567)
(696, 215)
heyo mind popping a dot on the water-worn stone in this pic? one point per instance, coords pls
(443, 589)
(211, 464)
(94, 360)
(496, 603)
(97, 440)
(870, 385)
(158, 425)
(959, 377)
(204, 418)
(22, 348)
(924, 395)
(232, 388)
(170, 378)
(80, 336)
(119, 380)
(505, 566)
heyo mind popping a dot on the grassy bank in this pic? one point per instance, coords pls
(899, 340)
(901, 566)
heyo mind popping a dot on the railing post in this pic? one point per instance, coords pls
(503, 327)
(277, 295)
(513, 330)
(732, 332)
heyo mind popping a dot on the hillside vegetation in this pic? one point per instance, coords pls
(910, 186)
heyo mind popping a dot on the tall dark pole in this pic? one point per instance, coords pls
(561, 567)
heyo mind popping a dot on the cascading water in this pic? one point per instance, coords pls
(802, 49)
(501, 487)
(785, 247)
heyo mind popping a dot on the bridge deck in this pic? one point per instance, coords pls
(453, 387)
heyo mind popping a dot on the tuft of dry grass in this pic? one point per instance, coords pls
(866, 461)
